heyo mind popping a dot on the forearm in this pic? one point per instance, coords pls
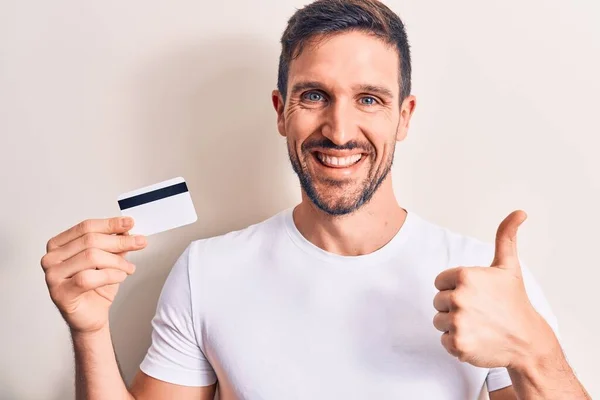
(97, 375)
(547, 376)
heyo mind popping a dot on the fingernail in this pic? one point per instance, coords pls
(126, 222)
(140, 240)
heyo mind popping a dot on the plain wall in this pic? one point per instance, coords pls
(99, 98)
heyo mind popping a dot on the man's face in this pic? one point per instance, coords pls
(342, 118)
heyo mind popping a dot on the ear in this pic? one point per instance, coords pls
(406, 111)
(279, 106)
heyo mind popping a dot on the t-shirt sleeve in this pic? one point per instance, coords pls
(498, 378)
(175, 355)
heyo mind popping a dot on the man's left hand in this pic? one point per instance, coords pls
(484, 312)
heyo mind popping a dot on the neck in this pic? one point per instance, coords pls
(362, 232)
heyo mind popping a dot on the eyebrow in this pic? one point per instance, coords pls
(306, 85)
(376, 89)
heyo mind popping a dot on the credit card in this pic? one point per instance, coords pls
(158, 208)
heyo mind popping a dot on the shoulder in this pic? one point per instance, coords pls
(458, 248)
(236, 247)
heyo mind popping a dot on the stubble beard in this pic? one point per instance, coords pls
(347, 202)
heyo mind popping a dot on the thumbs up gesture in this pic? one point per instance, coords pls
(484, 312)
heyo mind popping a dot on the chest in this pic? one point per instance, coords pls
(298, 338)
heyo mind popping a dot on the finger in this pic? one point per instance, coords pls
(448, 343)
(110, 243)
(124, 253)
(506, 240)
(444, 301)
(442, 321)
(90, 259)
(448, 279)
(91, 279)
(107, 225)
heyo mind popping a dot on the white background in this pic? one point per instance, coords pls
(99, 98)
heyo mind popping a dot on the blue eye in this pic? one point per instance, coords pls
(369, 100)
(313, 96)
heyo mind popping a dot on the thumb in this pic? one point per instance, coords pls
(505, 255)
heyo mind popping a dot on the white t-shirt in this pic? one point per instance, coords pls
(273, 317)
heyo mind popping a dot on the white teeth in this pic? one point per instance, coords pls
(339, 161)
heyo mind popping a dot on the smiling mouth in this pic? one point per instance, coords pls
(338, 162)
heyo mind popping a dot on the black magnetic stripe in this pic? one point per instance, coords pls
(153, 196)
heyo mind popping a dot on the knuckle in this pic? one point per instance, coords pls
(463, 276)
(45, 261)
(461, 346)
(81, 280)
(51, 279)
(90, 240)
(126, 266)
(456, 322)
(50, 245)
(463, 353)
(85, 226)
(125, 242)
(113, 224)
(117, 224)
(91, 255)
(456, 344)
(455, 299)
(48, 279)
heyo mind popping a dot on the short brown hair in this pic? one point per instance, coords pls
(329, 17)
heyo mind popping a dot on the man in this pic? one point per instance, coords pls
(345, 296)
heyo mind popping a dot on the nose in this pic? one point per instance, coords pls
(340, 126)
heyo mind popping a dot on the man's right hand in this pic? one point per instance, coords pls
(84, 266)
